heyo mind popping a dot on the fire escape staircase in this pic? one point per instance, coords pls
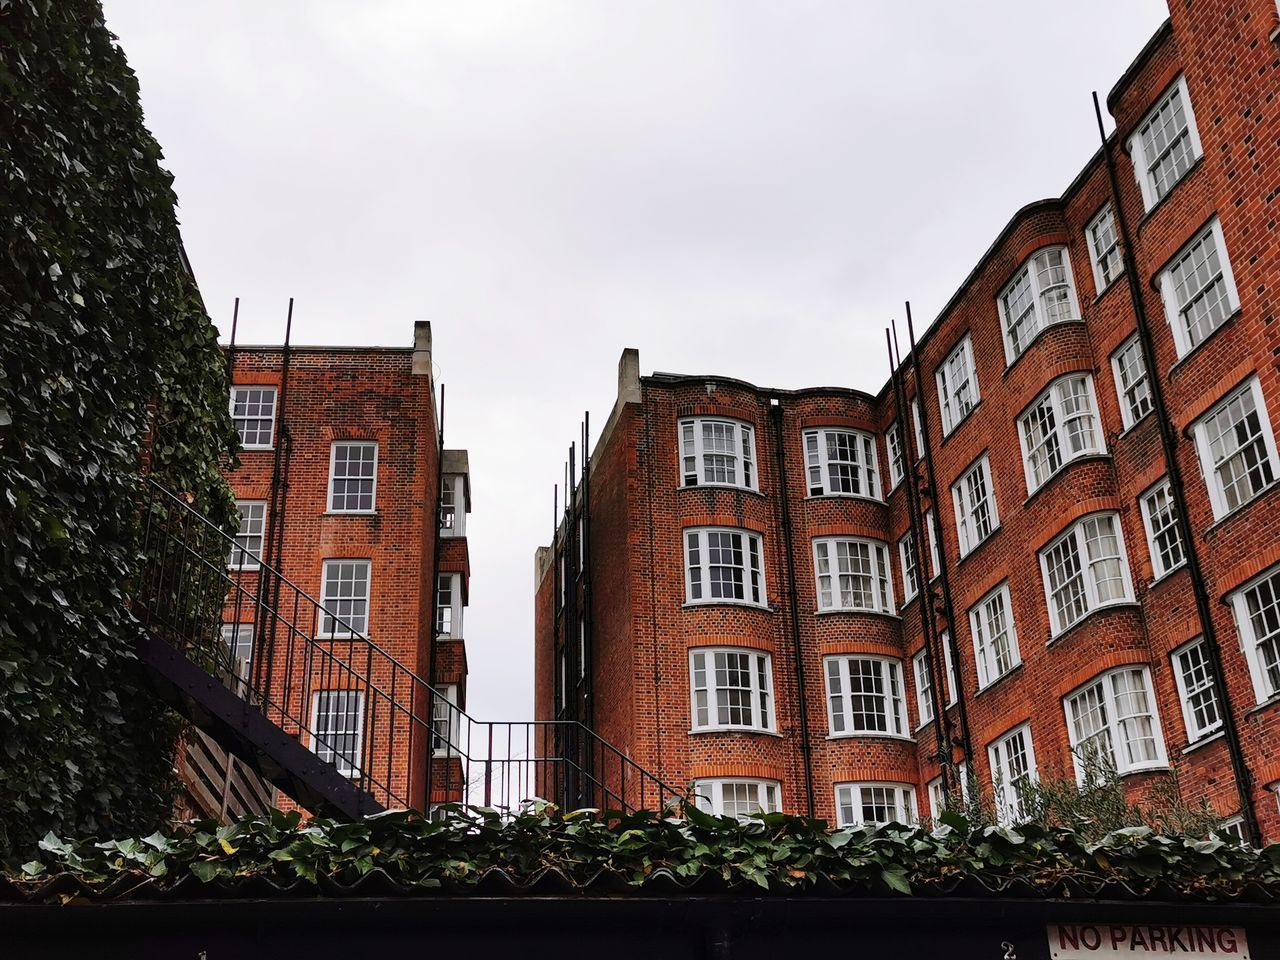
(386, 739)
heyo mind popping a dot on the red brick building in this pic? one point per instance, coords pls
(1069, 550)
(344, 491)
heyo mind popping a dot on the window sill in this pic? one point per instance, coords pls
(1010, 364)
(1175, 367)
(720, 486)
(1266, 704)
(353, 638)
(1164, 577)
(996, 682)
(700, 604)
(754, 731)
(1130, 604)
(1108, 288)
(256, 449)
(959, 423)
(1151, 210)
(1145, 418)
(1061, 471)
(871, 736)
(350, 513)
(979, 545)
(1135, 772)
(844, 496)
(1204, 741)
(855, 612)
(1220, 521)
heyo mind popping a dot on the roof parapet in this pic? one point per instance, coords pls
(422, 348)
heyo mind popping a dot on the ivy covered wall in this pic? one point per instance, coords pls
(105, 352)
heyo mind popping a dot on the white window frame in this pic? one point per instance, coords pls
(1169, 521)
(915, 422)
(966, 508)
(337, 631)
(708, 795)
(446, 713)
(865, 465)
(242, 558)
(1173, 309)
(897, 462)
(1142, 163)
(984, 652)
(937, 801)
(1060, 434)
(826, 551)
(909, 559)
(1182, 659)
(958, 390)
(1009, 804)
(759, 690)
(1101, 259)
(326, 751)
(334, 478)
(691, 446)
(949, 668)
(1266, 679)
(238, 636)
(1078, 533)
(697, 588)
(923, 687)
(931, 531)
(884, 671)
(247, 388)
(1113, 725)
(455, 606)
(849, 797)
(1200, 430)
(453, 505)
(1134, 394)
(1040, 319)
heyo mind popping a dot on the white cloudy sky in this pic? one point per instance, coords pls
(731, 186)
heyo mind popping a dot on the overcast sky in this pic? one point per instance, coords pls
(734, 187)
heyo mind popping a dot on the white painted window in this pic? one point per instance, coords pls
(915, 423)
(1196, 690)
(723, 566)
(737, 798)
(1040, 294)
(864, 697)
(445, 722)
(718, 453)
(940, 801)
(875, 804)
(344, 599)
(247, 552)
(1237, 449)
(957, 385)
(337, 729)
(924, 686)
(1084, 569)
(449, 606)
(1130, 371)
(1160, 518)
(453, 507)
(253, 410)
(732, 689)
(897, 465)
(931, 531)
(1104, 249)
(1165, 144)
(582, 648)
(949, 668)
(995, 640)
(238, 638)
(1113, 725)
(1257, 613)
(910, 566)
(975, 504)
(1013, 771)
(353, 476)
(852, 574)
(1059, 427)
(1198, 289)
(841, 463)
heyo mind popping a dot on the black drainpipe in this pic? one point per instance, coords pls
(793, 601)
(1169, 445)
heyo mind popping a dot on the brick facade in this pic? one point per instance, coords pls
(384, 395)
(643, 628)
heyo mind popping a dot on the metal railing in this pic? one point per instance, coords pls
(315, 674)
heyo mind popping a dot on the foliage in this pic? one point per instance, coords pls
(774, 852)
(108, 364)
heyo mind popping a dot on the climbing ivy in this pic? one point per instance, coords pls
(109, 367)
(465, 849)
